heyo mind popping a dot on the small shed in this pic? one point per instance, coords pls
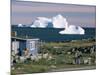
(20, 44)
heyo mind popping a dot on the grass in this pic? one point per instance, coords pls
(71, 44)
(44, 65)
(29, 68)
(60, 60)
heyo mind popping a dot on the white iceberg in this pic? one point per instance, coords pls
(72, 29)
(59, 21)
(41, 22)
(20, 25)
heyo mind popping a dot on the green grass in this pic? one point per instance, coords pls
(29, 68)
(60, 58)
(44, 65)
(71, 44)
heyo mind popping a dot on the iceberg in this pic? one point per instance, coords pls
(59, 21)
(41, 22)
(72, 29)
(20, 25)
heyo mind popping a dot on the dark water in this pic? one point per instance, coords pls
(51, 34)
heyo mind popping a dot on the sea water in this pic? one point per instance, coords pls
(52, 34)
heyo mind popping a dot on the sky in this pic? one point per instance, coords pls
(26, 13)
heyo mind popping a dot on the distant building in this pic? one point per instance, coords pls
(20, 44)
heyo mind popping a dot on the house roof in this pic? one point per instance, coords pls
(24, 38)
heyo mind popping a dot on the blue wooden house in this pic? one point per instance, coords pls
(20, 44)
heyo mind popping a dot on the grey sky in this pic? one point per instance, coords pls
(26, 12)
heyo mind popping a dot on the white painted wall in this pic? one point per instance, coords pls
(15, 46)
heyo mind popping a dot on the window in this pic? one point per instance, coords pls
(32, 44)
